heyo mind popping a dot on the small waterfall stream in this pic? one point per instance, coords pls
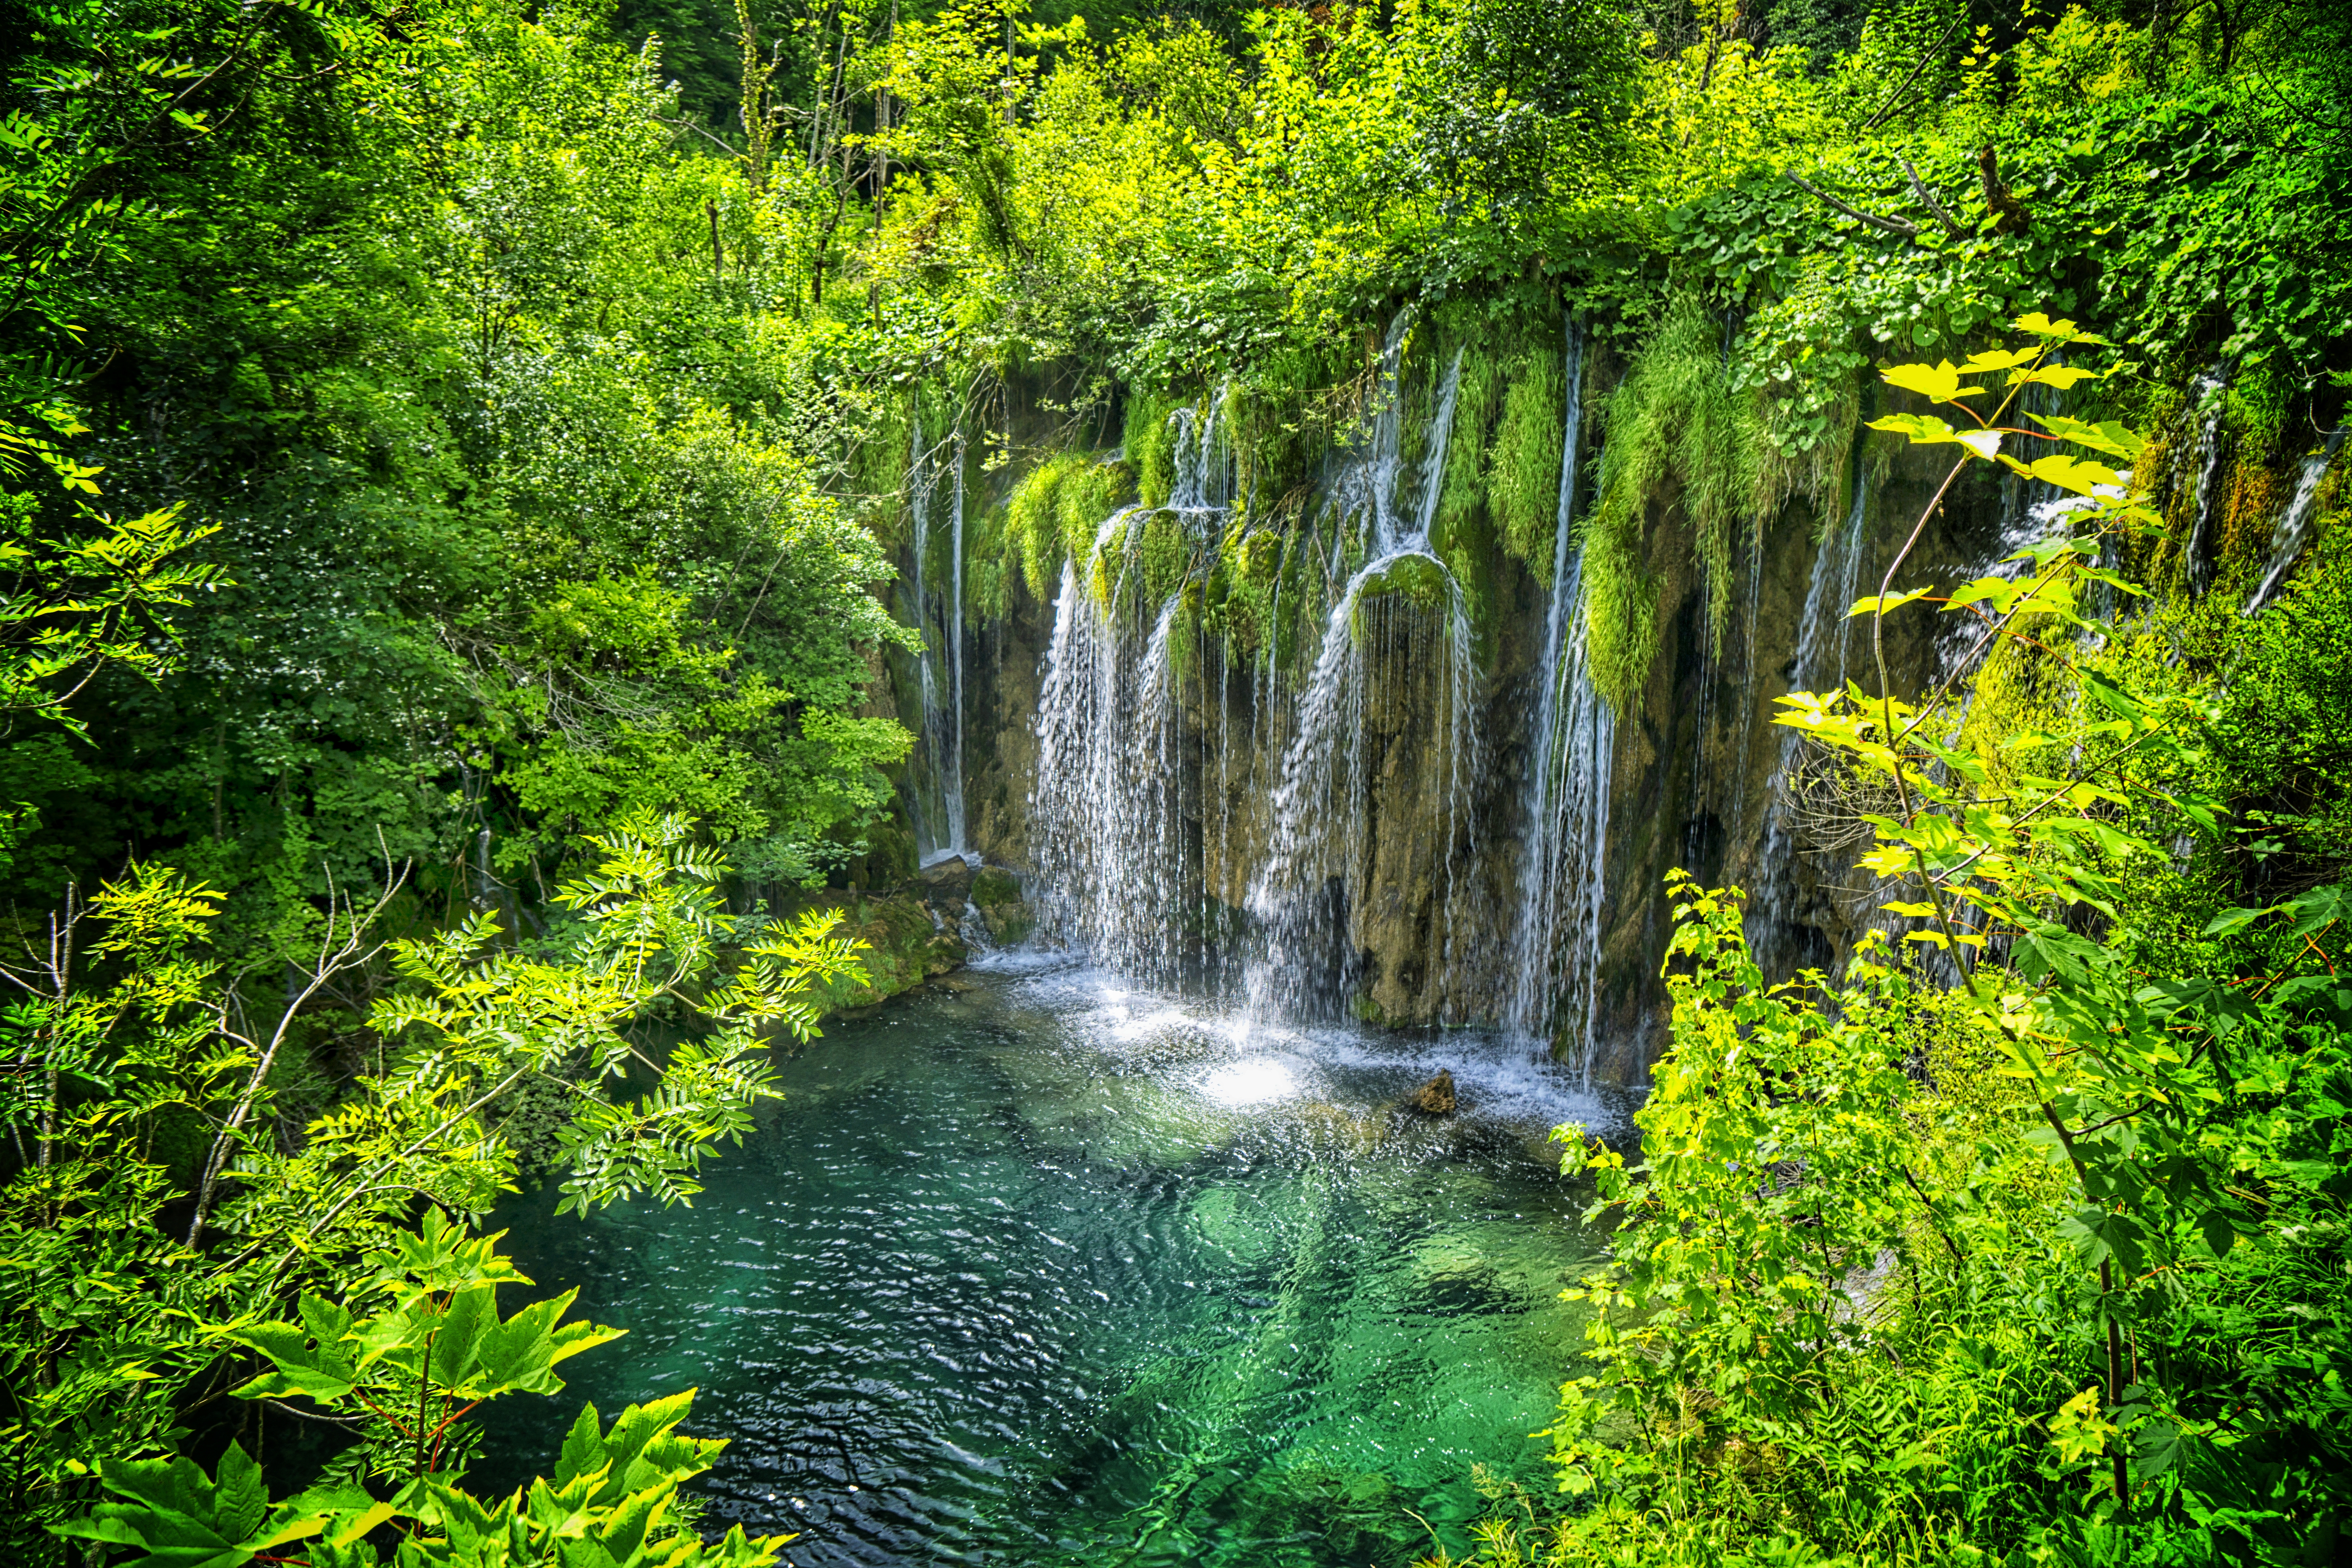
(2295, 524)
(1823, 633)
(937, 785)
(2206, 407)
(1562, 885)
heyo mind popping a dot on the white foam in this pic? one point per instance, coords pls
(1256, 1080)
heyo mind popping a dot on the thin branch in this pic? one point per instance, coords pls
(1891, 225)
(1933, 50)
(1928, 199)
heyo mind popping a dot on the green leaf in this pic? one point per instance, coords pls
(1928, 430)
(2058, 376)
(1878, 606)
(1937, 384)
(2076, 474)
(2219, 1233)
(2042, 326)
(171, 1511)
(2229, 922)
(2098, 1235)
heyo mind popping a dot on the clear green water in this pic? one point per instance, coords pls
(1045, 1272)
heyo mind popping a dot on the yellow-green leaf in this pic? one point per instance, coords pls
(1937, 384)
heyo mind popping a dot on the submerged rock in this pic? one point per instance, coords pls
(1435, 1097)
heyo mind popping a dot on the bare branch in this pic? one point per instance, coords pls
(1928, 199)
(1891, 225)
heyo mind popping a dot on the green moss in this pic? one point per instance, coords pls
(994, 885)
(1088, 495)
(1673, 416)
(1277, 424)
(1150, 445)
(1184, 632)
(1461, 532)
(1522, 483)
(1238, 598)
(1033, 528)
(2258, 404)
(902, 947)
(1162, 557)
(1416, 579)
(1462, 487)
(1298, 598)
(1053, 514)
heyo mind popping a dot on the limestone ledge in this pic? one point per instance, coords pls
(914, 932)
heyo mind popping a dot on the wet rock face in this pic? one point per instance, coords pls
(1435, 1097)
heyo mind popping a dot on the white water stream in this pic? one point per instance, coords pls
(1554, 985)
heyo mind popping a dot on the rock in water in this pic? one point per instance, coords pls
(1436, 1096)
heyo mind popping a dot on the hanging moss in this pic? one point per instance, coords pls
(1415, 579)
(1277, 423)
(1673, 416)
(1107, 572)
(1032, 532)
(1053, 514)
(1300, 576)
(1462, 493)
(1163, 555)
(990, 568)
(1239, 596)
(1090, 492)
(1184, 634)
(1150, 445)
(1522, 483)
(1462, 534)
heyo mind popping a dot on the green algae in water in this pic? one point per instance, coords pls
(1049, 1273)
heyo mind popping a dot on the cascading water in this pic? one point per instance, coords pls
(2206, 408)
(1555, 985)
(1116, 870)
(2295, 524)
(937, 784)
(1107, 851)
(1320, 855)
(956, 844)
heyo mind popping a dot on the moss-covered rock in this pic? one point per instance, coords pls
(1416, 580)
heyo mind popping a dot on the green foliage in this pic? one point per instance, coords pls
(1672, 421)
(1523, 485)
(110, 1317)
(555, 397)
(433, 1353)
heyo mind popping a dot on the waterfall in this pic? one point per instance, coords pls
(2206, 408)
(1105, 839)
(1755, 605)
(1320, 858)
(1822, 635)
(1109, 830)
(1567, 800)
(2295, 524)
(936, 784)
(956, 844)
(1201, 482)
